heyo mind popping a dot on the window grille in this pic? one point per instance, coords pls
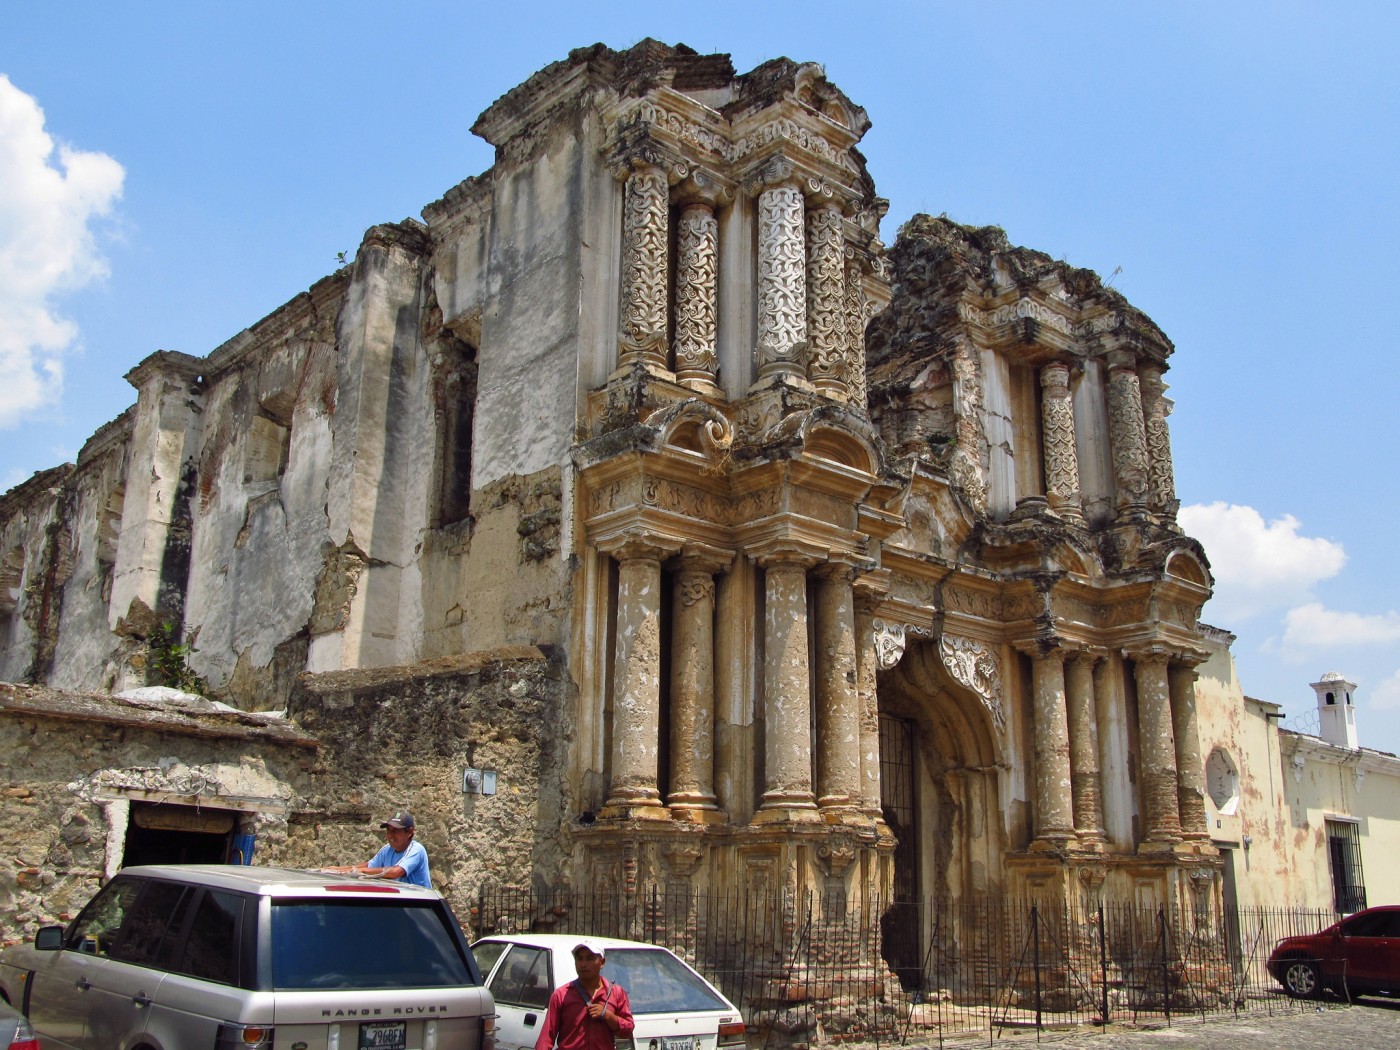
(1344, 851)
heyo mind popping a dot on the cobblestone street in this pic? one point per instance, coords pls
(1370, 1025)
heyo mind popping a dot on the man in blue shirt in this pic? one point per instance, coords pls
(400, 858)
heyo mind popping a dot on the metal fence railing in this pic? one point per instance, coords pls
(810, 969)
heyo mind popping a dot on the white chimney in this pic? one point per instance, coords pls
(1335, 715)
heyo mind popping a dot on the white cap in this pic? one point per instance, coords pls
(592, 947)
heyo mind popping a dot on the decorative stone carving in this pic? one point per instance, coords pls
(1127, 434)
(1161, 481)
(974, 665)
(642, 310)
(1021, 309)
(782, 283)
(836, 855)
(826, 316)
(856, 318)
(1061, 457)
(682, 860)
(697, 257)
(965, 466)
(889, 643)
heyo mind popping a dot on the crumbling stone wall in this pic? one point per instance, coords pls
(74, 763)
(401, 738)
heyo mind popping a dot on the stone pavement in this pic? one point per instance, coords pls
(1370, 1024)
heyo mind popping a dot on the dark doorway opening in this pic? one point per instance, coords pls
(901, 925)
(160, 833)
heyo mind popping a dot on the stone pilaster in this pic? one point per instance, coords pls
(1084, 750)
(1054, 801)
(697, 282)
(838, 761)
(1057, 433)
(867, 668)
(1190, 772)
(636, 700)
(1161, 480)
(692, 794)
(855, 306)
(1127, 434)
(642, 307)
(787, 788)
(782, 283)
(1157, 745)
(826, 293)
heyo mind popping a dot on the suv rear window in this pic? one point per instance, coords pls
(320, 944)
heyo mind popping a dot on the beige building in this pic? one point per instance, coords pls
(1304, 816)
(640, 482)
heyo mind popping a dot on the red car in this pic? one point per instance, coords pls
(1358, 956)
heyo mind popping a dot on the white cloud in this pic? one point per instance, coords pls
(46, 247)
(1258, 565)
(1386, 696)
(1322, 628)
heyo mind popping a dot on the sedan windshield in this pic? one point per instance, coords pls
(657, 982)
(364, 944)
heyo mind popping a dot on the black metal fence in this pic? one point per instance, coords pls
(807, 969)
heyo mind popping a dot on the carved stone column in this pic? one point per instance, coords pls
(645, 241)
(1157, 744)
(1061, 456)
(855, 333)
(1127, 433)
(782, 284)
(826, 294)
(867, 668)
(1084, 750)
(636, 683)
(1190, 772)
(697, 281)
(692, 794)
(1054, 801)
(838, 762)
(787, 731)
(1161, 481)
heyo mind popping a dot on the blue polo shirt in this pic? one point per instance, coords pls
(413, 860)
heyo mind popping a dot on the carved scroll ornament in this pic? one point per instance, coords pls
(973, 664)
(889, 643)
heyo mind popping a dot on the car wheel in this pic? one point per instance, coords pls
(1300, 978)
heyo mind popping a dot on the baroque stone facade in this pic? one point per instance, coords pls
(823, 551)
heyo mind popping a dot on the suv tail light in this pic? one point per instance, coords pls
(732, 1034)
(488, 1032)
(24, 1038)
(243, 1037)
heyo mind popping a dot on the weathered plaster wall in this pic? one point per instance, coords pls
(31, 519)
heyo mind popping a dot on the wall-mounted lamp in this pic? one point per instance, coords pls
(478, 781)
(1248, 841)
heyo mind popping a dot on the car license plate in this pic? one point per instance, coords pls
(680, 1042)
(382, 1035)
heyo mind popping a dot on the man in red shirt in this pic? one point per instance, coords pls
(588, 1013)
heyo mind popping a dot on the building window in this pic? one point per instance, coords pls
(269, 445)
(1344, 852)
(454, 395)
(1223, 782)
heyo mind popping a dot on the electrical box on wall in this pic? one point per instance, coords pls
(478, 781)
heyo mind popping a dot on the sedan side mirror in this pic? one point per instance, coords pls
(49, 938)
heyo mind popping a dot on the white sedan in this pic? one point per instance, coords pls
(674, 1007)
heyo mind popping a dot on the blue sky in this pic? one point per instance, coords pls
(172, 172)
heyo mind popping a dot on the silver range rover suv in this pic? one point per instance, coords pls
(189, 957)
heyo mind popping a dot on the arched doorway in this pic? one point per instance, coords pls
(940, 793)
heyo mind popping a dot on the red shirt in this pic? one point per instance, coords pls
(568, 1026)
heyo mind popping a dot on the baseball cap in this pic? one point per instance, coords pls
(589, 946)
(402, 819)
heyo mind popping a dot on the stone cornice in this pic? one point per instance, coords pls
(166, 364)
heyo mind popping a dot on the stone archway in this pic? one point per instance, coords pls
(941, 790)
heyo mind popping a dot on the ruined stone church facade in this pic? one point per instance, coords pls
(828, 566)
